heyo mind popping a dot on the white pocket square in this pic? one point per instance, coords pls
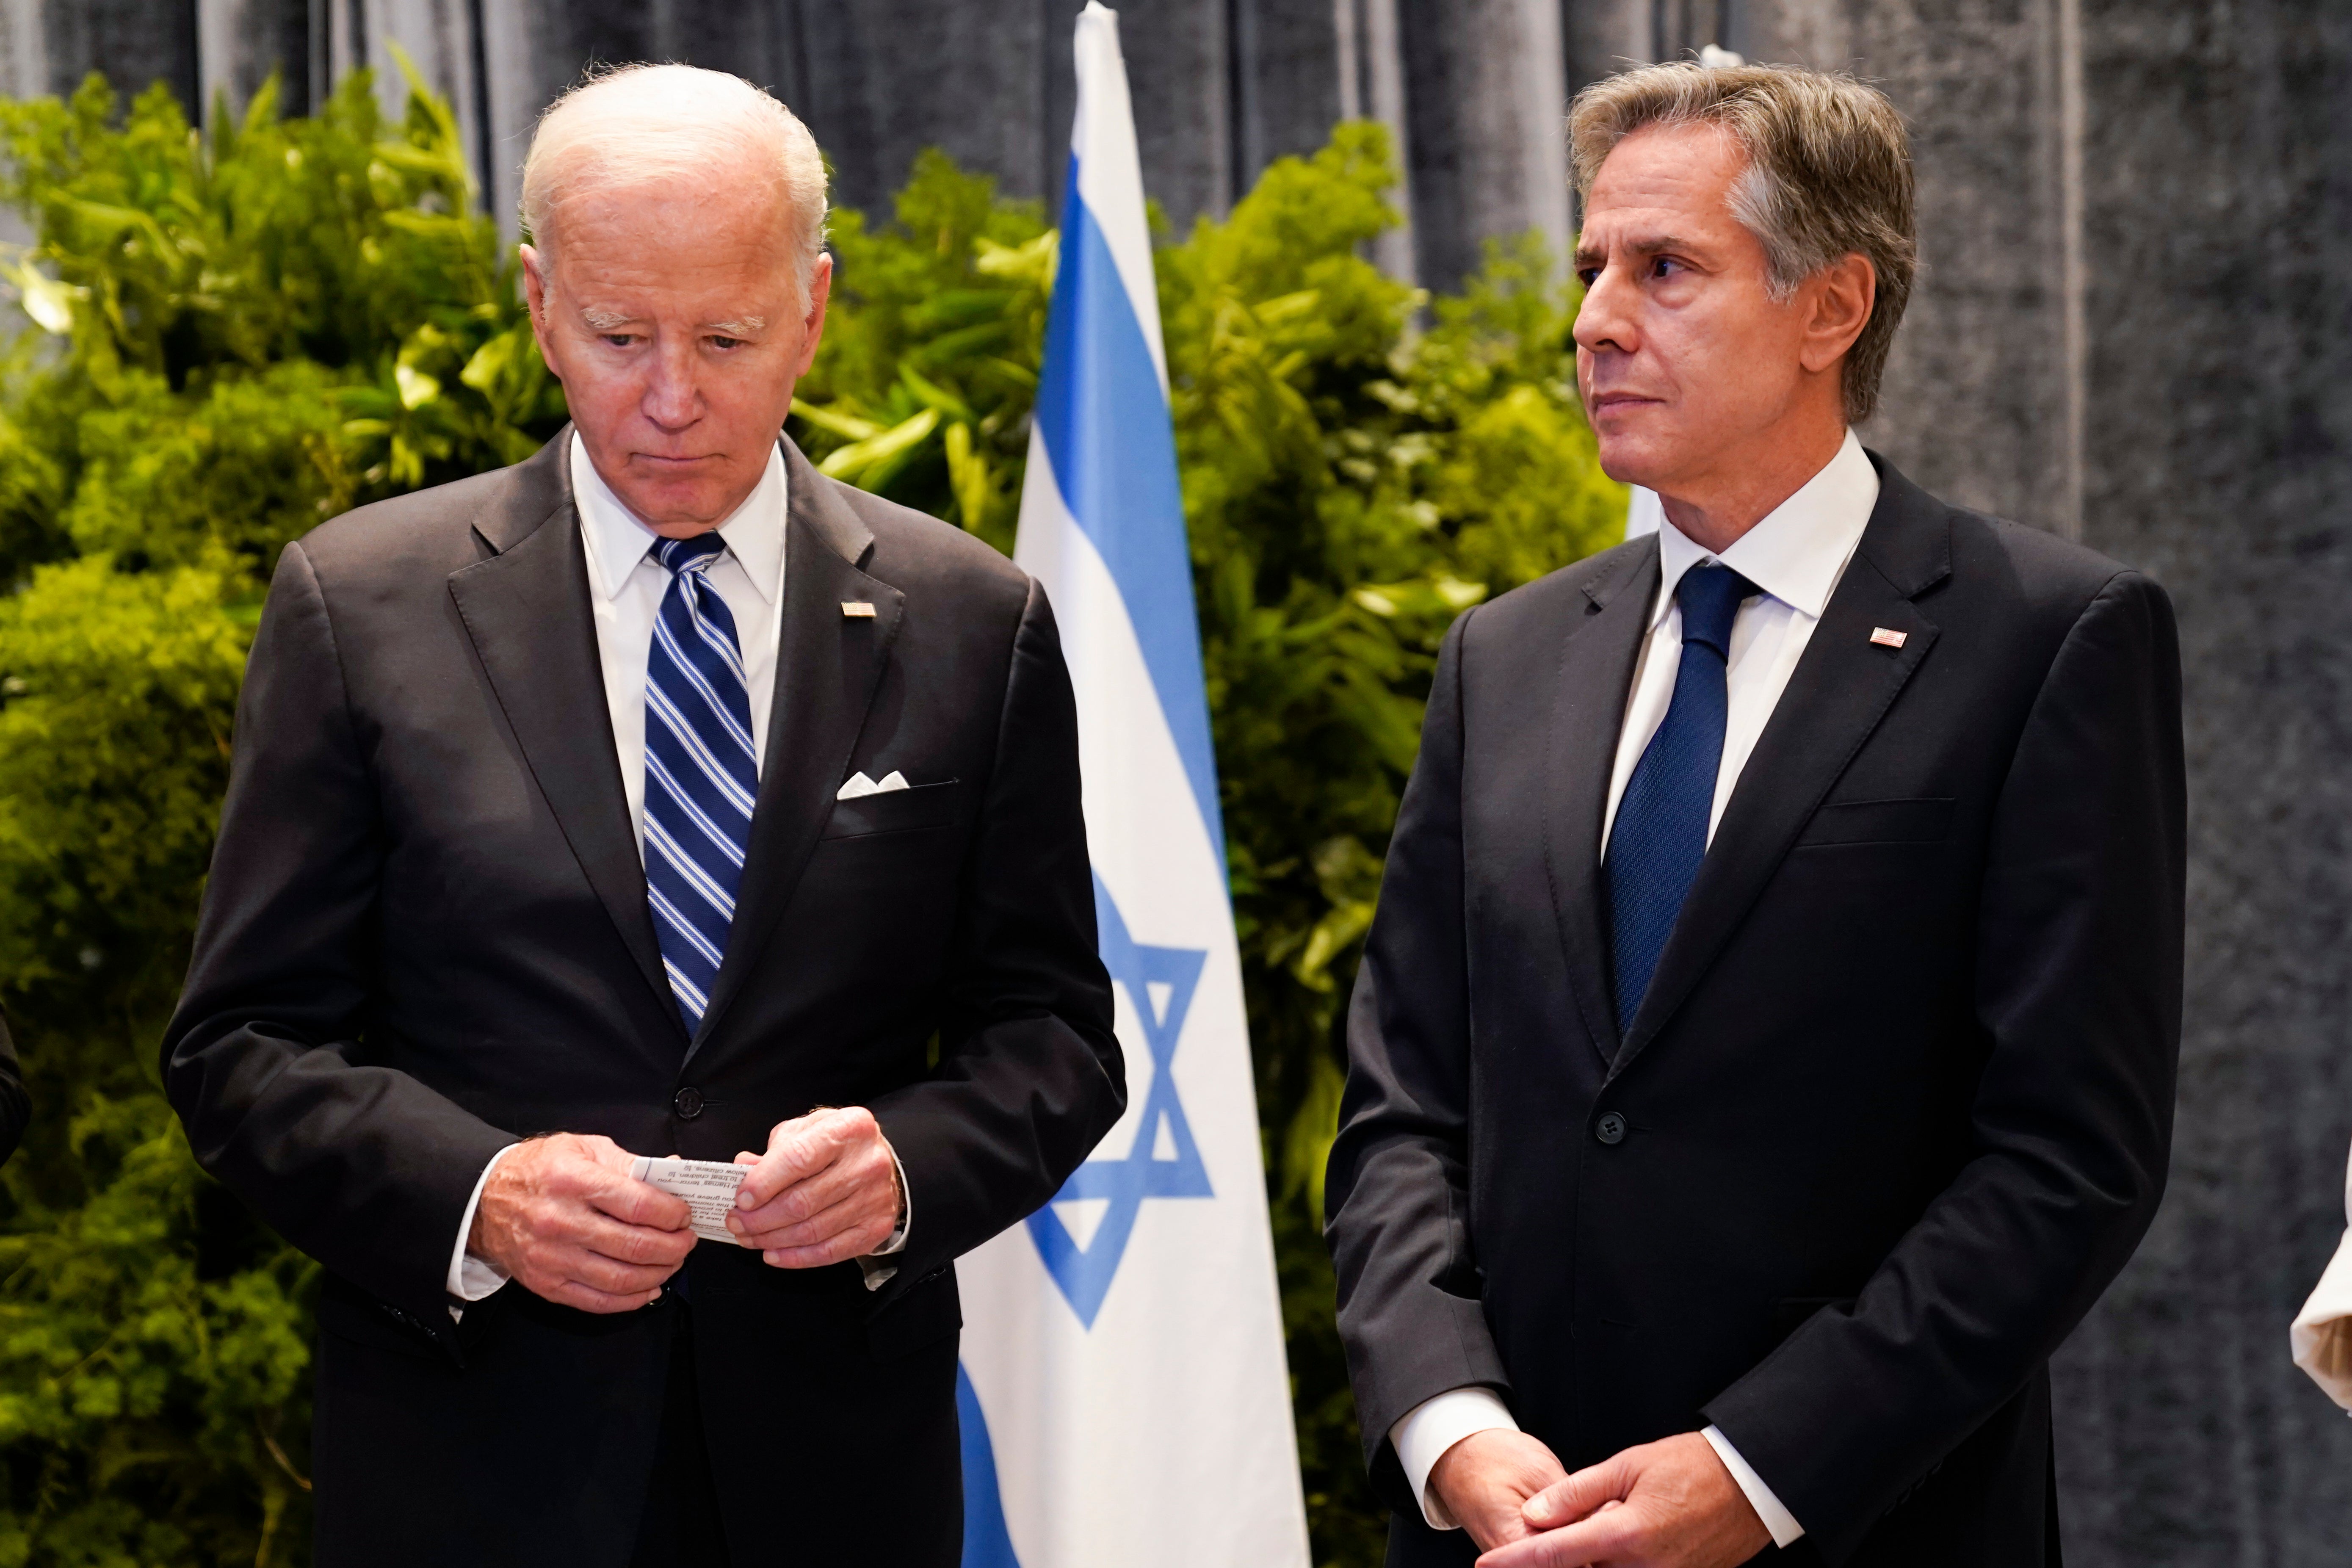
(860, 785)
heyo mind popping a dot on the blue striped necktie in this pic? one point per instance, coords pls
(1660, 833)
(702, 773)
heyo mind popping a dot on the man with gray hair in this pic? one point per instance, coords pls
(1763, 1056)
(657, 796)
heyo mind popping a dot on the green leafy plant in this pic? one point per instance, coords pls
(236, 335)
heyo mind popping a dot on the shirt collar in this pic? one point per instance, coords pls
(1799, 550)
(617, 542)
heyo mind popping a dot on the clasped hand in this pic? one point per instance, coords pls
(561, 1215)
(826, 1191)
(1668, 1504)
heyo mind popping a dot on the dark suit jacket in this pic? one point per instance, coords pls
(1896, 1105)
(425, 933)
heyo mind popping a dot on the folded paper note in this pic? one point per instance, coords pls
(706, 1185)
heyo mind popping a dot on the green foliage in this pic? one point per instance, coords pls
(921, 391)
(241, 335)
(149, 1380)
(260, 330)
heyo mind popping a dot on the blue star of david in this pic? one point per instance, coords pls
(1085, 1273)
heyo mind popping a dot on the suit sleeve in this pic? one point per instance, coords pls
(2077, 994)
(359, 1166)
(1030, 1075)
(1398, 1190)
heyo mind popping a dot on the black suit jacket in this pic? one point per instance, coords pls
(1896, 1105)
(425, 933)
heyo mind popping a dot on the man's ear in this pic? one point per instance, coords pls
(1838, 302)
(820, 293)
(534, 290)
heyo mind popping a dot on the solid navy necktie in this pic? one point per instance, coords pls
(702, 776)
(1660, 832)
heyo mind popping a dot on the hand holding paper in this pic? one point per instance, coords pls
(826, 1191)
(563, 1215)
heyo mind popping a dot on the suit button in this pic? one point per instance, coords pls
(689, 1103)
(1610, 1128)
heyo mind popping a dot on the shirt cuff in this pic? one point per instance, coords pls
(1777, 1519)
(880, 1274)
(471, 1279)
(1422, 1433)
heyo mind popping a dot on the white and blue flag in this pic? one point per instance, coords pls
(1124, 1395)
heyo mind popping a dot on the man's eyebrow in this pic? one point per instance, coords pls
(734, 327)
(1646, 244)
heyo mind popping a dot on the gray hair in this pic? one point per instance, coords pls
(674, 125)
(1828, 176)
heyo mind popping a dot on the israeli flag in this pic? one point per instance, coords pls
(1123, 1394)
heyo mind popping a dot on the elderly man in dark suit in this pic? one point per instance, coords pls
(657, 795)
(1764, 1053)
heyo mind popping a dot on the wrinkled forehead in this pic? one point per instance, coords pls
(659, 202)
(630, 250)
(614, 270)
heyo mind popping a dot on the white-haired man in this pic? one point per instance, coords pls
(657, 795)
(1763, 1055)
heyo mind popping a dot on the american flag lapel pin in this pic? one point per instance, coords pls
(1880, 636)
(860, 610)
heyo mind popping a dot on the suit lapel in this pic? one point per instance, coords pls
(828, 668)
(1594, 682)
(1841, 688)
(528, 611)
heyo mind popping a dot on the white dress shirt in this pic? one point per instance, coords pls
(626, 587)
(1796, 555)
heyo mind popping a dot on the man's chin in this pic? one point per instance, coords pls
(675, 517)
(679, 507)
(1630, 459)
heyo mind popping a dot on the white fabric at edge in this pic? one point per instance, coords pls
(2321, 1335)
